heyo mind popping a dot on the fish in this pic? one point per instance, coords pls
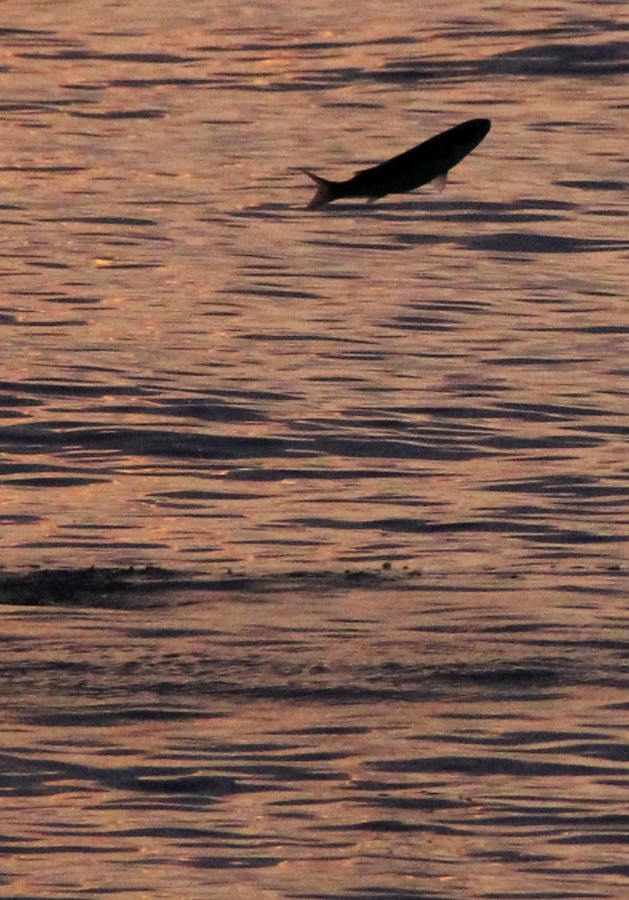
(427, 162)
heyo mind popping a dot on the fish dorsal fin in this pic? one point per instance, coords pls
(440, 182)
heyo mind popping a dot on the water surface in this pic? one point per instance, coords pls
(199, 374)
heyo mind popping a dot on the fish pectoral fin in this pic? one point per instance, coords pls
(440, 182)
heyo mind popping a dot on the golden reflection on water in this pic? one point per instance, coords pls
(427, 762)
(198, 373)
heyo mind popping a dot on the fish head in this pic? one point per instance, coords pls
(480, 128)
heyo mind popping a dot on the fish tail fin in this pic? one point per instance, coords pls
(326, 191)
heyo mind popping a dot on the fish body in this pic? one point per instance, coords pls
(429, 161)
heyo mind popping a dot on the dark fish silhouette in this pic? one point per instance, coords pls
(430, 161)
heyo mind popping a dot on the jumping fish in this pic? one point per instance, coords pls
(430, 161)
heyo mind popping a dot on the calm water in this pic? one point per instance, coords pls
(198, 373)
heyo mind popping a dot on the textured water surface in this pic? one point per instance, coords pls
(419, 405)
(376, 735)
(197, 371)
